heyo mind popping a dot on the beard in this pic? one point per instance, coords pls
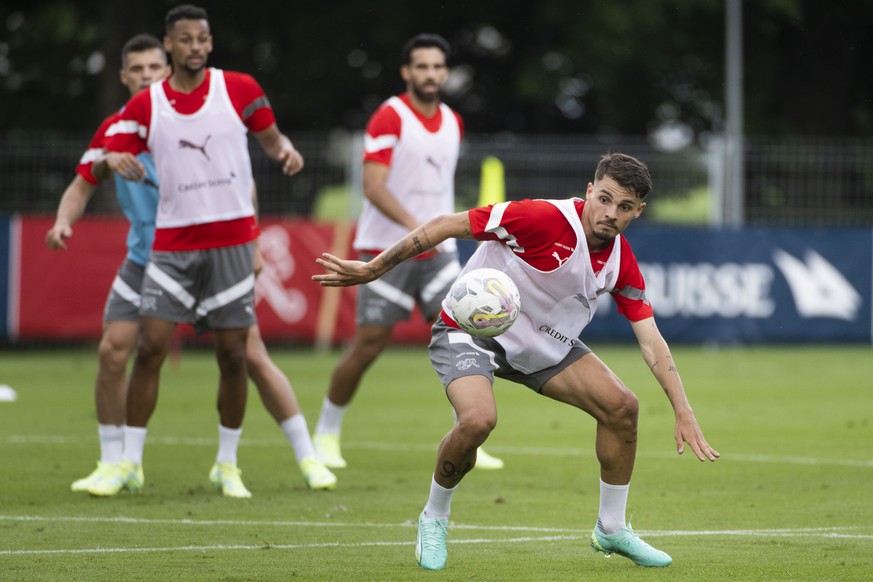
(192, 70)
(425, 97)
(604, 235)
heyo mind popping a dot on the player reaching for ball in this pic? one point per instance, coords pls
(563, 255)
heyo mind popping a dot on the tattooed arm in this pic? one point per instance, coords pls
(657, 355)
(345, 273)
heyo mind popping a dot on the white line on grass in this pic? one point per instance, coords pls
(273, 546)
(802, 532)
(373, 446)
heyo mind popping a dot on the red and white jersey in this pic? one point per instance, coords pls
(541, 245)
(200, 149)
(85, 168)
(422, 154)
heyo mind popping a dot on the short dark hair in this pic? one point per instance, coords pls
(424, 40)
(140, 43)
(184, 12)
(627, 171)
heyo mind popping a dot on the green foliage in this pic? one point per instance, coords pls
(788, 500)
(326, 65)
(692, 208)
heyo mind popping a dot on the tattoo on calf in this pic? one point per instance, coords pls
(454, 474)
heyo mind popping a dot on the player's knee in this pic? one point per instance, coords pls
(625, 411)
(476, 427)
(231, 360)
(150, 352)
(113, 355)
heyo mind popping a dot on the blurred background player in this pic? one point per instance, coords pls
(200, 270)
(144, 61)
(410, 153)
(563, 255)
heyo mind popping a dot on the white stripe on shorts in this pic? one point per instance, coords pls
(442, 279)
(170, 286)
(460, 337)
(392, 294)
(126, 292)
(226, 297)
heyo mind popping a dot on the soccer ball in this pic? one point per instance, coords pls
(484, 302)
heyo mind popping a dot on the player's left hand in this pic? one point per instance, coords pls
(688, 431)
(291, 160)
(344, 273)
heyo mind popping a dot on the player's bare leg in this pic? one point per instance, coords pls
(230, 353)
(110, 389)
(369, 342)
(142, 395)
(473, 400)
(281, 402)
(142, 392)
(591, 386)
(110, 396)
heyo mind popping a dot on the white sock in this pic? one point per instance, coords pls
(134, 443)
(439, 504)
(228, 442)
(613, 503)
(331, 419)
(111, 442)
(298, 435)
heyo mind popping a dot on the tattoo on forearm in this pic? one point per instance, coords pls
(419, 248)
(670, 366)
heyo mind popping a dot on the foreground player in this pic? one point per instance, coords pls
(143, 62)
(410, 154)
(563, 255)
(200, 270)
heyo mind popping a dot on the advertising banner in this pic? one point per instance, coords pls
(751, 285)
(706, 286)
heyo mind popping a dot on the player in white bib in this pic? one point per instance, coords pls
(564, 256)
(410, 153)
(200, 270)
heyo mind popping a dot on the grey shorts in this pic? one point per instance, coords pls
(210, 289)
(455, 354)
(123, 301)
(392, 297)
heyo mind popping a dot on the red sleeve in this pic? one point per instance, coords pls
(630, 288)
(460, 123)
(129, 133)
(383, 131)
(249, 101)
(530, 227)
(95, 150)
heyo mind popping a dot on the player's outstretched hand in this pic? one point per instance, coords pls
(56, 235)
(343, 273)
(688, 431)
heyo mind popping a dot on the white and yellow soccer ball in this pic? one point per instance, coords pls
(484, 302)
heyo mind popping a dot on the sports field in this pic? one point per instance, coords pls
(790, 498)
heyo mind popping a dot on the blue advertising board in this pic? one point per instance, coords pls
(751, 285)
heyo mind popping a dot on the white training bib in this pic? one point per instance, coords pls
(202, 159)
(421, 178)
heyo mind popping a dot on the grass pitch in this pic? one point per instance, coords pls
(789, 499)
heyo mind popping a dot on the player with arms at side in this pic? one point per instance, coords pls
(200, 270)
(143, 62)
(563, 255)
(410, 153)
